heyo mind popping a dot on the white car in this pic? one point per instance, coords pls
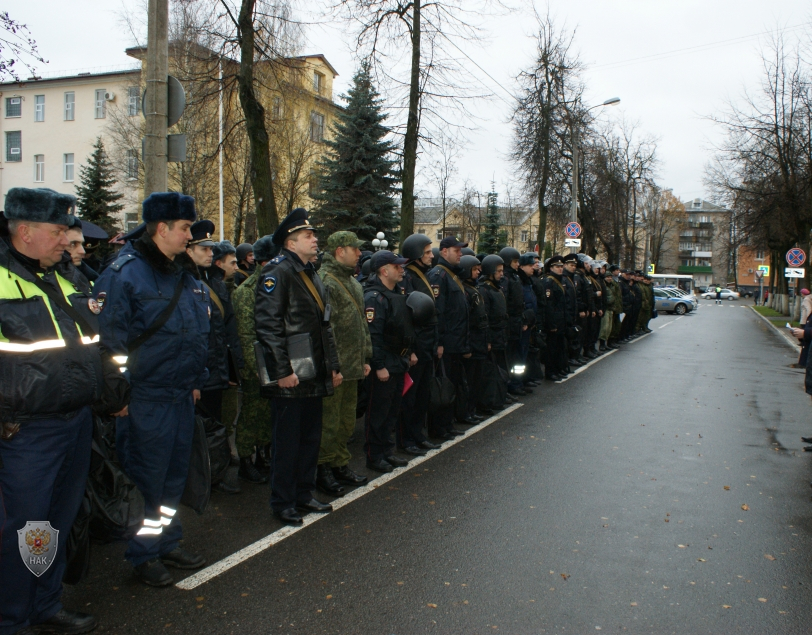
(726, 294)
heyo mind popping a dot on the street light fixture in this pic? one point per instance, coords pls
(378, 242)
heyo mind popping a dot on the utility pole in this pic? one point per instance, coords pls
(157, 98)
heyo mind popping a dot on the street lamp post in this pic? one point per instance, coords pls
(576, 159)
(380, 242)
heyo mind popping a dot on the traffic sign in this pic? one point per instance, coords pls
(651, 268)
(573, 230)
(793, 272)
(796, 257)
(759, 273)
(572, 242)
(765, 269)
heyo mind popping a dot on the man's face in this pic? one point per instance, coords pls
(175, 238)
(536, 266)
(499, 273)
(514, 264)
(392, 272)
(452, 255)
(304, 244)
(570, 266)
(200, 255)
(557, 268)
(348, 256)
(428, 256)
(250, 258)
(527, 269)
(475, 271)
(76, 247)
(229, 266)
(45, 242)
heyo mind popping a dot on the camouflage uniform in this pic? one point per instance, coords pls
(617, 306)
(648, 304)
(254, 427)
(354, 350)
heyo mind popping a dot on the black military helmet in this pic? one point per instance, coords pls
(509, 254)
(490, 263)
(436, 253)
(467, 263)
(422, 308)
(365, 269)
(467, 251)
(414, 246)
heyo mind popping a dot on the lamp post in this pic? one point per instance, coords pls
(380, 242)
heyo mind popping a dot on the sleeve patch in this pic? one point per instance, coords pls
(370, 313)
(100, 300)
(548, 293)
(435, 289)
(269, 284)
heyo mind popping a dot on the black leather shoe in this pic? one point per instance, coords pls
(153, 572)
(808, 448)
(590, 355)
(469, 421)
(383, 466)
(327, 483)
(445, 436)
(263, 460)
(573, 362)
(428, 445)
(225, 488)
(455, 433)
(510, 398)
(531, 384)
(26, 631)
(181, 559)
(553, 377)
(250, 473)
(289, 516)
(396, 461)
(66, 622)
(345, 475)
(806, 439)
(485, 412)
(314, 506)
(413, 450)
(516, 392)
(478, 417)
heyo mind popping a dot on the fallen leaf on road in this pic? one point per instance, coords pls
(633, 604)
(745, 507)
(726, 606)
(769, 557)
(701, 560)
(200, 599)
(762, 599)
(243, 595)
(681, 546)
(432, 606)
(727, 487)
(329, 597)
(565, 575)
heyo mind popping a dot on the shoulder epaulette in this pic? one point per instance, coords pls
(278, 259)
(121, 261)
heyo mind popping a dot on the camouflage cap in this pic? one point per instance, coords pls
(343, 239)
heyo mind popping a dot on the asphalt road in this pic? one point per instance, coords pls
(661, 490)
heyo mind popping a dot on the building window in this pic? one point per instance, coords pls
(70, 106)
(67, 167)
(276, 109)
(14, 144)
(132, 164)
(131, 220)
(39, 107)
(523, 236)
(316, 127)
(439, 234)
(759, 255)
(318, 82)
(101, 104)
(39, 168)
(14, 107)
(133, 101)
(421, 231)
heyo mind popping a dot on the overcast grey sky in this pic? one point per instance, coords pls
(623, 43)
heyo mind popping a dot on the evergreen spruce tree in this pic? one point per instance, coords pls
(358, 178)
(492, 239)
(95, 196)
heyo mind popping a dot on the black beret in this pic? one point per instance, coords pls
(293, 222)
(40, 205)
(168, 206)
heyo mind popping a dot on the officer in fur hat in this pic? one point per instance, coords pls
(155, 324)
(50, 360)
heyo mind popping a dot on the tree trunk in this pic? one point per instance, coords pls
(410, 141)
(261, 176)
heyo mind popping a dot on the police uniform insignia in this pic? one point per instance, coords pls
(435, 289)
(548, 293)
(269, 284)
(38, 543)
(101, 299)
(94, 306)
(370, 313)
(278, 259)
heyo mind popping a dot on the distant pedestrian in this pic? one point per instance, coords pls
(718, 295)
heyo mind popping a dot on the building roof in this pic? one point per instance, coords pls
(59, 77)
(701, 205)
(322, 58)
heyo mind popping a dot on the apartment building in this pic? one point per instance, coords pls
(704, 245)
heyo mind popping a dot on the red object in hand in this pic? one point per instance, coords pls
(407, 383)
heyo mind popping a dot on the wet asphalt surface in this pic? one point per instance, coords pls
(662, 490)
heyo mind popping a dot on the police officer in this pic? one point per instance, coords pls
(290, 300)
(155, 323)
(51, 373)
(527, 264)
(514, 296)
(246, 263)
(392, 333)
(493, 269)
(555, 319)
(414, 407)
(452, 326)
(471, 267)
(577, 305)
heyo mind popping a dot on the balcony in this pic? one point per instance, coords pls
(694, 269)
(702, 254)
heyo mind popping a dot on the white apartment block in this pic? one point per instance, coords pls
(48, 127)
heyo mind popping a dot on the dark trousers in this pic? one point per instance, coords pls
(154, 444)
(515, 357)
(555, 356)
(442, 420)
(42, 478)
(473, 371)
(415, 404)
(382, 414)
(627, 326)
(212, 402)
(296, 440)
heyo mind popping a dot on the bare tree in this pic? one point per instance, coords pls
(443, 168)
(16, 45)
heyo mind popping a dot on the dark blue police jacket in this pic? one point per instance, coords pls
(132, 292)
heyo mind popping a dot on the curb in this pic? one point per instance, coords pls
(790, 341)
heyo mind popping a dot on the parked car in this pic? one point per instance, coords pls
(673, 301)
(743, 292)
(726, 294)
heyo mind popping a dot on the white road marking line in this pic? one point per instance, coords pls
(278, 536)
(666, 324)
(585, 366)
(642, 337)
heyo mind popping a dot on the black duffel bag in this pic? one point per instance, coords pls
(443, 391)
(493, 385)
(198, 480)
(77, 546)
(217, 441)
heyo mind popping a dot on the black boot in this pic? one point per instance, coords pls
(326, 482)
(248, 472)
(65, 621)
(263, 460)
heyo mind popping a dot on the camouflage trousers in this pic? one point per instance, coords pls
(338, 424)
(615, 326)
(606, 325)
(255, 427)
